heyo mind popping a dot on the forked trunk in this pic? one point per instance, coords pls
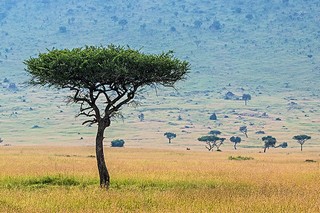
(102, 168)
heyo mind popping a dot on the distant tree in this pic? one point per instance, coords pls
(301, 139)
(214, 132)
(269, 141)
(249, 16)
(141, 117)
(62, 29)
(1, 140)
(117, 143)
(197, 42)
(114, 18)
(143, 27)
(282, 145)
(216, 25)
(123, 23)
(246, 98)
(103, 80)
(173, 29)
(197, 24)
(212, 141)
(170, 136)
(235, 140)
(213, 117)
(244, 130)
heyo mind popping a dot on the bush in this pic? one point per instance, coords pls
(62, 29)
(117, 143)
(240, 158)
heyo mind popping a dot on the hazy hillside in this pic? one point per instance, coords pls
(268, 48)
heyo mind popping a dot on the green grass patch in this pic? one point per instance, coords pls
(240, 158)
(45, 181)
(164, 185)
(60, 181)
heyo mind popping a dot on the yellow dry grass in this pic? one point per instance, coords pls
(150, 180)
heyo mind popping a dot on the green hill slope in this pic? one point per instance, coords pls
(269, 49)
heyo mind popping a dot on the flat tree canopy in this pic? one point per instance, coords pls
(110, 76)
(212, 141)
(301, 139)
(269, 141)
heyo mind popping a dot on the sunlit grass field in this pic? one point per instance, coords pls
(64, 179)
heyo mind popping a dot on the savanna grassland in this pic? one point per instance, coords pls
(55, 179)
(268, 49)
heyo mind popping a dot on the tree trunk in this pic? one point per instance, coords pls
(235, 146)
(169, 140)
(265, 148)
(102, 168)
(301, 147)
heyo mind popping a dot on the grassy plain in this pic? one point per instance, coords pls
(64, 179)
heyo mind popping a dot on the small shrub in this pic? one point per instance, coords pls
(117, 143)
(310, 161)
(213, 117)
(216, 25)
(62, 29)
(240, 158)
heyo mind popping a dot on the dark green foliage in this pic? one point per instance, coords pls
(95, 72)
(301, 139)
(141, 117)
(282, 145)
(62, 29)
(246, 98)
(244, 130)
(216, 25)
(215, 132)
(85, 67)
(197, 24)
(235, 140)
(117, 143)
(213, 117)
(170, 136)
(240, 158)
(123, 23)
(212, 141)
(269, 141)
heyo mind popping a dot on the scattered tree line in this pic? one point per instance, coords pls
(213, 141)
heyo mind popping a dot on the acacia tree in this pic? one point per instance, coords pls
(212, 141)
(244, 130)
(170, 136)
(301, 139)
(235, 140)
(103, 79)
(269, 141)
